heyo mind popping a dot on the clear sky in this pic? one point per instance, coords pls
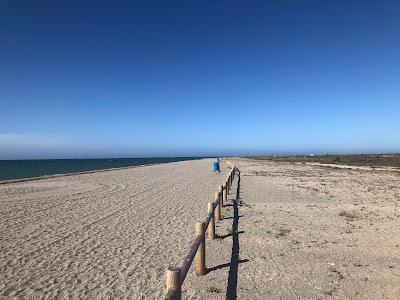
(124, 79)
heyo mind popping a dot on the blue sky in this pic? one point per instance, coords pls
(126, 79)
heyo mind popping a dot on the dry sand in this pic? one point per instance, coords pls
(102, 235)
(309, 232)
(299, 232)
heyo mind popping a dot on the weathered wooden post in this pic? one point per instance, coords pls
(211, 225)
(174, 283)
(225, 192)
(221, 191)
(218, 208)
(200, 264)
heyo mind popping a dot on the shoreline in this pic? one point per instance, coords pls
(25, 179)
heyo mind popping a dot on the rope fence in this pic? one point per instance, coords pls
(175, 276)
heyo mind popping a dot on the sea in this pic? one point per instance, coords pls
(18, 169)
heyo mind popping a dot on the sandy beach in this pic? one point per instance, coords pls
(102, 235)
(114, 113)
(298, 232)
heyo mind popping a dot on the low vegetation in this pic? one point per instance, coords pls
(282, 232)
(349, 215)
(337, 272)
(213, 289)
(371, 160)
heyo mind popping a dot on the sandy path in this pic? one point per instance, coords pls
(307, 232)
(101, 235)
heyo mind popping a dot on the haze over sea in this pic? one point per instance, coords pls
(17, 169)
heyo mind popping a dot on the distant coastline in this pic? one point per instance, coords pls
(24, 170)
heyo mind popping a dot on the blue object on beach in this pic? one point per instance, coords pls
(216, 167)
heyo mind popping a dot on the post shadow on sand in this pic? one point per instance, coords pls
(229, 218)
(222, 237)
(235, 261)
(234, 264)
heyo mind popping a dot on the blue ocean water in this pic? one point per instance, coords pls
(17, 169)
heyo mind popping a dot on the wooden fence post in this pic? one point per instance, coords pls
(211, 225)
(174, 282)
(200, 264)
(218, 208)
(221, 191)
(225, 192)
